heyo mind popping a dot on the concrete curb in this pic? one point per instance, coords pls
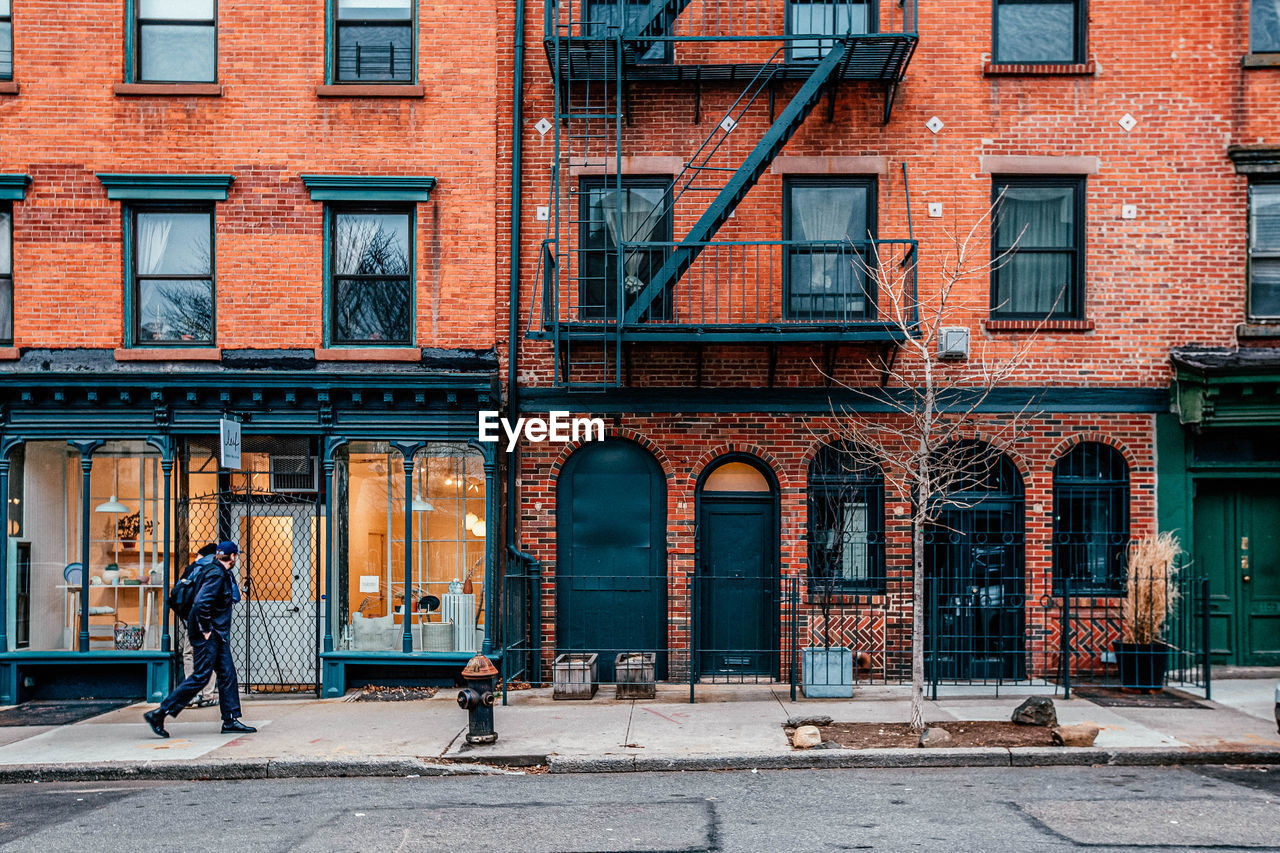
(401, 766)
(253, 768)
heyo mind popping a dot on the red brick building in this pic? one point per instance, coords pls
(702, 184)
(281, 215)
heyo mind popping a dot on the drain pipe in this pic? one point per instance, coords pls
(513, 307)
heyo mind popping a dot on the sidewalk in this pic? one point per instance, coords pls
(731, 726)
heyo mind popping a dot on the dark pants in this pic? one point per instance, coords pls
(208, 657)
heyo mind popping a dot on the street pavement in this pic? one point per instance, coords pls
(730, 726)
(993, 810)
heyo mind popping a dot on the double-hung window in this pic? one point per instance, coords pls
(6, 40)
(373, 41)
(1038, 248)
(172, 273)
(371, 268)
(846, 521)
(828, 225)
(1090, 520)
(1040, 32)
(6, 276)
(176, 41)
(1264, 26)
(623, 237)
(826, 18)
(1264, 251)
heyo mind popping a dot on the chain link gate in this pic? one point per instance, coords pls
(275, 628)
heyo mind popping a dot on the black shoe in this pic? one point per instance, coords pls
(235, 727)
(155, 719)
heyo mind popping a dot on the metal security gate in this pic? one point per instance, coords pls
(275, 629)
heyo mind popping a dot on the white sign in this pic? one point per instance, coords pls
(229, 432)
(368, 583)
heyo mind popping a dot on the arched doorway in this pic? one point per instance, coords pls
(737, 573)
(975, 572)
(611, 554)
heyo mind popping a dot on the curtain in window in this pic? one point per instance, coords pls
(6, 243)
(1264, 26)
(639, 224)
(824, 280)
(153, 242)
(1036, 218)
(853, 536)
(1036, 32)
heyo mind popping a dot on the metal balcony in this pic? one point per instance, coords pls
(709, 41)
(749, 291)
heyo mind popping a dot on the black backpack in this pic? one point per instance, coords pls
(183, 594)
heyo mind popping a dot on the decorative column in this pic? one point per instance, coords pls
(408, 450)
(5, 446)
(86, 449)
(165, 445)
(329, 465)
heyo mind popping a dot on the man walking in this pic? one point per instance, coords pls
(208, 696)
(209, 631)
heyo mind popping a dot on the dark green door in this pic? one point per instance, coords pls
(611, 571)
(1237, 545)
(737, 586)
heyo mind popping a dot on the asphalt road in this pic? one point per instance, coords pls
(995, 809)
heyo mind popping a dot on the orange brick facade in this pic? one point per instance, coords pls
(266, 128)
(1172, 275)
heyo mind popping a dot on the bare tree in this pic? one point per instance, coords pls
(927, 447)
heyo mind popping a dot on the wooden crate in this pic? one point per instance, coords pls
(634, 674)
(574, 676)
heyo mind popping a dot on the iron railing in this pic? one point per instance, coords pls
(765, 629)
(732, 20)
(519, 614)
(781, 286)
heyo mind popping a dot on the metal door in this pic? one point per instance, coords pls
(976, 593)
(611, 583)
(737, 587)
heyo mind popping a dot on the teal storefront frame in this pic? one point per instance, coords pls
(86, 398)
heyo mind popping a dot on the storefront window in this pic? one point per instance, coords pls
(126, 546)
(446, 591)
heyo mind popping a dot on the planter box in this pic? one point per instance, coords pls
(1142, 665)
(634, 674)
(828, 673)
(574, 676)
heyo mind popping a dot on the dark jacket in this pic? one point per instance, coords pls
(211, 610)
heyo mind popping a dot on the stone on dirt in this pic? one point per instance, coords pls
(1036, 711)
(934, 737)
(806, 737)
(1078, 735)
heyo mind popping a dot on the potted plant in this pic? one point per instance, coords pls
(827, 670)
(1151, 592)
(127, 528)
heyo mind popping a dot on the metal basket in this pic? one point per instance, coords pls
(128, 637)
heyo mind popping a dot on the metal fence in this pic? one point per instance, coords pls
(773, 629)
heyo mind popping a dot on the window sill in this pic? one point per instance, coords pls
(8, 87)
(1038, 325)
(365, 90)
(9, 353)
(169, 90)
(811, 599)
(168, 354)
(370, 354)
(1261, 60)
(1257, 331)
(1022, 69)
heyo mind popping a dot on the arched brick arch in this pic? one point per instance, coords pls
(571, 447)
(1072, 441)
(759, 452)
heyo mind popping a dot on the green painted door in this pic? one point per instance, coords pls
(611, 571)
(1237, 545)
(737, 586)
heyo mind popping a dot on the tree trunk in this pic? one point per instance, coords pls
(917, 624)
